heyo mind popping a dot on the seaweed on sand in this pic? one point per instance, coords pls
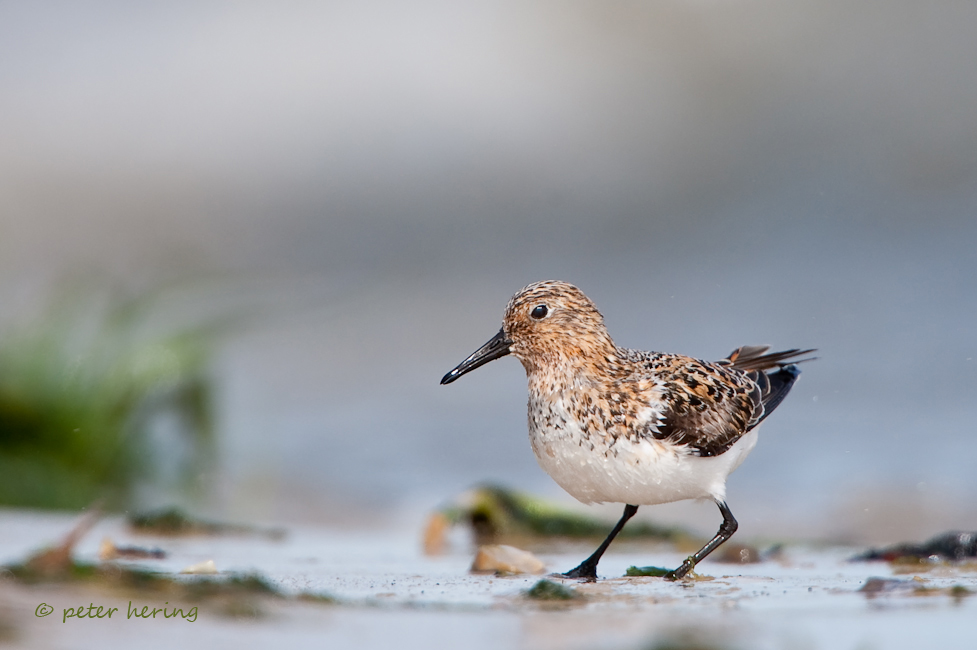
(949, 547)
(499, 515)
(174, 522)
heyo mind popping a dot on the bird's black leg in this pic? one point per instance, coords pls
(726, 531)
(588, 568)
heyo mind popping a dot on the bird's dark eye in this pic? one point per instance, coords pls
(539, 311)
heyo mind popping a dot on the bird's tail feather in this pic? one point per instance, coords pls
(753, 357)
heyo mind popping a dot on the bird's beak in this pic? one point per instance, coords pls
(498, 346)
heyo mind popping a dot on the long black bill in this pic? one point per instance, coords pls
(498, 346)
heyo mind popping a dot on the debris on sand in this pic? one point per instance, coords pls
(56, 562)
(551, 591)
(949, 547)
(498, 515)
(505, 560)
(128, 578)
(108, 551)
(233, 594)
(875, 587)
(173, 522)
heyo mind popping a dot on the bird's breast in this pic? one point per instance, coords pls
(597, 460)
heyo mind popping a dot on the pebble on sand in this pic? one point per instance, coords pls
(502, 559)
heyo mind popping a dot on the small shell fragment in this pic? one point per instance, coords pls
(201, 568)
(435, 534)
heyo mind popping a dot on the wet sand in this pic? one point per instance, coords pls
(388, 594)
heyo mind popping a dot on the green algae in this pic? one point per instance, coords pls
(547, 590)
(652, 571)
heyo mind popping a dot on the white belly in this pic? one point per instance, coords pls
(645, 472)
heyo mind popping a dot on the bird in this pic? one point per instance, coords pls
(616, 425)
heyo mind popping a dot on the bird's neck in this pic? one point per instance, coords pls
(579, 367)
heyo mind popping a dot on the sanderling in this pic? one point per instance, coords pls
(615, 425)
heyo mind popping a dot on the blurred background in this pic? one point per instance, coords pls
(240, 244)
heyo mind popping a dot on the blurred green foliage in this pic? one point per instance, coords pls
(81, 388)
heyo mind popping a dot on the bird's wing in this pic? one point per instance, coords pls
(709, 406)
(706, 406)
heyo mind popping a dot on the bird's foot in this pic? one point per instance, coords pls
(682, 571)
(585, 572)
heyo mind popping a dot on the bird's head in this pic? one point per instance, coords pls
(546, 325)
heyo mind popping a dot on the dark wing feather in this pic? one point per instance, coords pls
(778, 385)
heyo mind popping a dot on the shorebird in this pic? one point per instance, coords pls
(615, 425)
